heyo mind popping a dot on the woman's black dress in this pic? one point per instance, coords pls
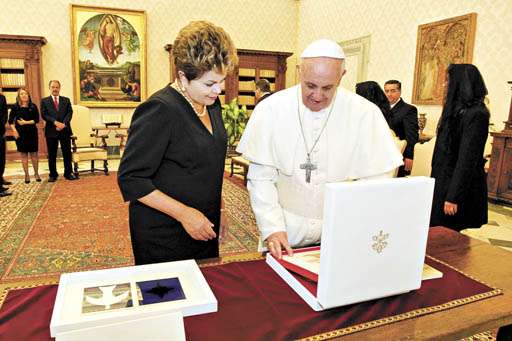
(459, 170)
(28, 140)
(170, 149)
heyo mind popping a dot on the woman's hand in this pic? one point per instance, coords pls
(450, 208)
(196, 224)
(224, 223)
(22, 122)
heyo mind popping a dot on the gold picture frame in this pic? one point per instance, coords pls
(108, 47)
(440, 44)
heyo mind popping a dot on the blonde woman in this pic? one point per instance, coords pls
(23, 119)
(173, 164)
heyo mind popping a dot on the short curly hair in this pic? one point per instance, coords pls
(201, 47)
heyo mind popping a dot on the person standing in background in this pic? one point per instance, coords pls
(460, 192)
(373, 92)
(57, 112)
(3, 121)
(262, 90)
(23, 119)
(404, 122)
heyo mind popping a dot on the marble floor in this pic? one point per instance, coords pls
(497, 232)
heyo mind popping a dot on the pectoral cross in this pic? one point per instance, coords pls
(308, 166)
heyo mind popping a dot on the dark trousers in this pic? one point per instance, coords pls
(402, 172)
(65, 145)
(2, 159)
(504, 333)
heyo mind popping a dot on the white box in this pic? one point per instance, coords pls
(374, 238)
(70, 319)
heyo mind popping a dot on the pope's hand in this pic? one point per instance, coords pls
(278, 241)
(197, 225)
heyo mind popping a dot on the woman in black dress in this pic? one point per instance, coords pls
(460, 193)
(23, 119)
(173, 163)
(373, 92)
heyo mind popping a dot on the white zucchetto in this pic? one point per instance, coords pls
(323, 48)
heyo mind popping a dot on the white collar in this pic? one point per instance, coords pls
(392, 105)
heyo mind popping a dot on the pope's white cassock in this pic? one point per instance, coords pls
(356, 143)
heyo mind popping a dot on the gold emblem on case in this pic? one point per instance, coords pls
(380, 241)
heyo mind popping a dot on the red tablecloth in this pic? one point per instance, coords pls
(256, 304)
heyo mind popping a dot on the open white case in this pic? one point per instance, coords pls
(373, 242)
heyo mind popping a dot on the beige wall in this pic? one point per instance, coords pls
(393, 26)
(288, 25)
(261, 25)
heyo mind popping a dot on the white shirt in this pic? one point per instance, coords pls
(281, 198)
(392, 105)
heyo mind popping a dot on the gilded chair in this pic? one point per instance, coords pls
(400, 145)
(85, 146)
(421, 165)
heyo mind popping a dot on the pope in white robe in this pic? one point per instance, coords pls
(302, 137)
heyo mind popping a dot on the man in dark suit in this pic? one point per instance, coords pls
(404, 122)
(262, 90)
(57, 112)
(3, 121)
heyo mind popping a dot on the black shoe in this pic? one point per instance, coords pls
(6, 183)
(4, 192)
(38, 179)
(52, 179)
(70, 177)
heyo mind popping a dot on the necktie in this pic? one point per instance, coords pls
(55, 103)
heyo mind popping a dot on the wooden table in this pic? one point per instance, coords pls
(487, 263)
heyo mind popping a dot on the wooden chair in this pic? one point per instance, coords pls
(241, 162)
(84, 142)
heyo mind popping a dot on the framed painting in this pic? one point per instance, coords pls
(109, 56)
(440, 44)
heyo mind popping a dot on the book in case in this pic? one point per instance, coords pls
(12, 77)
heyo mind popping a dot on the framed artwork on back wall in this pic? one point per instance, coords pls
(440, 44)
(108, 49)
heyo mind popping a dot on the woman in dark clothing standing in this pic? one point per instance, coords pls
(173, 165)
(373, 92)
(23, 119)
(460, 193)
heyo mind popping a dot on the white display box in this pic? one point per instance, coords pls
(75, 314)
(374, 239)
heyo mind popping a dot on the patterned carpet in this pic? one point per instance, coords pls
(83, 225)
